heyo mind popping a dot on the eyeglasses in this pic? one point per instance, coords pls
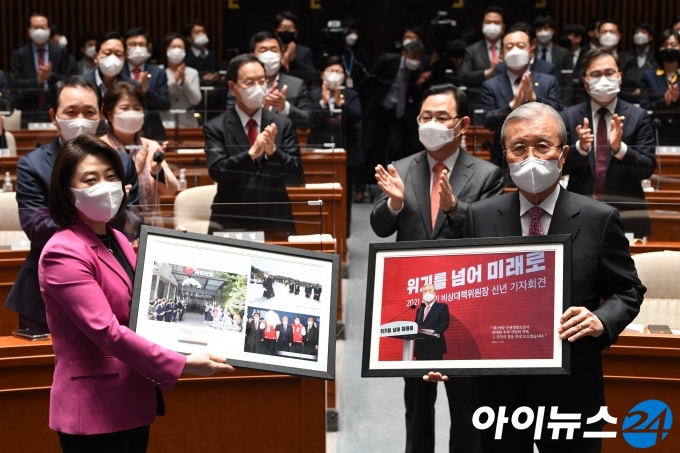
(540, 149)
(250, 82)
(441, 118)
(598, 74)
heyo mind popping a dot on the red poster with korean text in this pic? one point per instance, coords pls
(501, 305)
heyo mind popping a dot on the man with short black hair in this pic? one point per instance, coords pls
(544, 26)
(295, 57)
(75, 106)
(87, 44)
(482, 57)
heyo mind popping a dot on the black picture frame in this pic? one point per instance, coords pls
(371, 367)
(157, 244)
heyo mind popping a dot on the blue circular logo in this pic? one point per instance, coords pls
(647, 423)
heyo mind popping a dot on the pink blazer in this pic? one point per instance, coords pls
(104, 373)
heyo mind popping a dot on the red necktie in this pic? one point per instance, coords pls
(601, 150)
(494, 53)
(42, 100)
(135, 74)
(434, 195)
(535, 227)
(252, 131)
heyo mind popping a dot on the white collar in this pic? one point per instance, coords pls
(131, 67)
(548, 204)
(611, 107)
(243, 116)
(449, 161)
(547, 46)
(512, 76)
(198, 52)
(489, 44)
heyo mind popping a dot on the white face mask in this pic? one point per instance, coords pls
(435, 136)
(271, 61)
(129, 122)
(406, 41)
(640, 39)
(351, 39)
(253, 98)
(99, 202)
(201, 40)
(63, 42)
(333, 80)
(604, 89)
(110, 66)
(412, 65)
(544, 36)
(138, 55)
(609, 39)
(69, 129)
(427, 298)
(492, 31)
(516, 59)
(89, 52)
(534, 175)
(39, 36)
(176, 55)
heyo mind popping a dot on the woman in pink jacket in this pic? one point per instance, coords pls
(105, 392)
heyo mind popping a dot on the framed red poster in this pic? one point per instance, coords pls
(467, 307)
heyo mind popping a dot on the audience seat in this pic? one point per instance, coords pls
(192, 208)
(10, 227)
(658, 272)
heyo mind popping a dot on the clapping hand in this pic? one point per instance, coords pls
(264, 143)
(44, 72)
(144, 81)
(527, 84)
(616, 133)
(276, 98)
(585, 135)
(446, 197)
(391, 184)
(671, 95)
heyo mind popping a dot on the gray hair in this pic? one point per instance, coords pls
(532, 111)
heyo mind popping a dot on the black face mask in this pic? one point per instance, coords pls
(286, 36)
(669, 55)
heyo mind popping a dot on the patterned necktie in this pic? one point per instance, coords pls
(494, 54)
(601, 150)
(135, 74)
(434, 194)
(252, 131)
(535, 227)
(401, 92)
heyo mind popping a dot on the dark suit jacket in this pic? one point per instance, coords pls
(253, 335)
(157, 99)
(601, 268)
(376, 85)
(438, 320)
(634, 73)
(304, 60)
(623, 176)
(5, 96)
(261, 185)
(333, 127)
(361, 65)
(285, 336)
(653, 89)
(23, 74)
(476, 62)
(34, 172)
(311, 338)
(296, 95)
(204, 65)
(472, 179)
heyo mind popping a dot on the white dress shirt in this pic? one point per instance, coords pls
(608, 121)
(243, 116)
(548, 206)
(488, 49)
(548, 53)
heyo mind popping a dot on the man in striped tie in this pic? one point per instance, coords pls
(605, 290)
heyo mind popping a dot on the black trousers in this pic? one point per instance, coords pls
(129, 441)
(29, 323)
(420, 397)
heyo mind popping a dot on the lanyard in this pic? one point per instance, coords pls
(351, 63)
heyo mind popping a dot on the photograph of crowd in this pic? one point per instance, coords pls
(281, 333)
(272, 280)
(197, 297)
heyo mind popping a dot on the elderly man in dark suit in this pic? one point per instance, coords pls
(75, 103)
(606, 292)
(507, 91)
(35, 68)
(425, 197)
(434, 318)
(284, 340)
(251, 153)
(153, 80)
(612, 146)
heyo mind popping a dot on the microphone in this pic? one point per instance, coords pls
(158, 157)
(412, 307)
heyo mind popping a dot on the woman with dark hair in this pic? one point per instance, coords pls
(107, 379)
(183, 82)
(336, 110)
(659, 87)
(123, 107)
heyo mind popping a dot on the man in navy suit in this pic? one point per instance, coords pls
(433, 320)
(285, 338)
(250, 153)
(74, 98)
(518, 85)
(153, 80)
(611, 143)
(35, 68)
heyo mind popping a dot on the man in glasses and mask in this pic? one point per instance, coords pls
(425, 197)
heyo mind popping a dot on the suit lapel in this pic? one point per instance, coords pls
(51, 154)
(508, 222)
(587, 112)
(506, 88)
(235, 128)
(459, 178)
(563, 221)
(420, 177)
